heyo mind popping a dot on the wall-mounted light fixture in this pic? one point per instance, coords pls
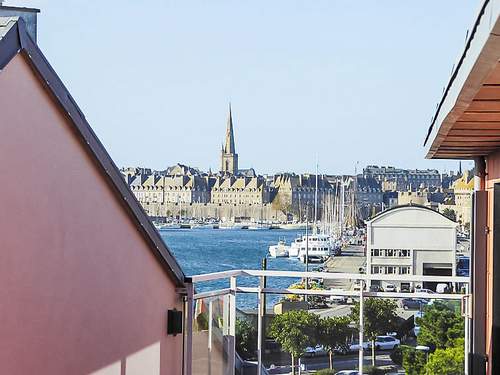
(174, 322)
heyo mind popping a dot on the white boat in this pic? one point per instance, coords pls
(280, 250)
(294, 226)
(316, 247)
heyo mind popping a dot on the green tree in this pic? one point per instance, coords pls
(413, 360)
(246, 339)
(450, 214)
(282, 203)
(333, 333)
(440, 326)
(295, 331)
(449, 361)
(379, 318)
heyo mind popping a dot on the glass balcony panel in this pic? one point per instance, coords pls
(212, 351)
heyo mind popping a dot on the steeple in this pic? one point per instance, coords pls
(229, 157)
(229, 145)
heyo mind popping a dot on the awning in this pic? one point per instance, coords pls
(467, 120)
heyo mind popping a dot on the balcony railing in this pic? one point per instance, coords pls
(211, 314)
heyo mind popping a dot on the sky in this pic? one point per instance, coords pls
(341, 82)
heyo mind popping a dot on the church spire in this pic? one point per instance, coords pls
(229, 146)
(229, 157)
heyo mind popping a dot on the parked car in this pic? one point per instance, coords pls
(347, 372)
(390, 288)
(376, 288)
(405, 288)
(385, 343)
(315, 351)
(413, 303)
(423, 290)
(443, 288)
(354, 346)
(340, 300)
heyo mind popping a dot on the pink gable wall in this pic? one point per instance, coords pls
(80, 291)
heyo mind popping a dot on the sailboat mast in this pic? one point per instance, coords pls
(316, 198)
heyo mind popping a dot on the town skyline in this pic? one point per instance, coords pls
(229, 161)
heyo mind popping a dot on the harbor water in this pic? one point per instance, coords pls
(206, 250)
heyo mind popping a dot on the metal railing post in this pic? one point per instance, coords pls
(188, 347)
(467, 315)
(232, 325)
(210, 332)
(260, 313)
(361, 326)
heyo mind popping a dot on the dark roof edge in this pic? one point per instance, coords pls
(408, 205)
(17, 40)
(457, 68)
(8, 7)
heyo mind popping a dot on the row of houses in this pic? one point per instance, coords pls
(294, 195)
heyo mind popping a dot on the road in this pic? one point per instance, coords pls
(350, 261)
(347, 362)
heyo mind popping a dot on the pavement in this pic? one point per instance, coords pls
(351, 259)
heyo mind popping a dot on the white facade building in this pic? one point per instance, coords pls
(411, 240)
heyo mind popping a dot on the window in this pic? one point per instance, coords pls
(375, 252)
(389, 253)
(404, 253)
(390, 269)
(375, 269)
(404, 270)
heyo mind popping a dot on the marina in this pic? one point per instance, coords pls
(206, 250)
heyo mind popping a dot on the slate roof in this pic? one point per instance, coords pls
(6, 24)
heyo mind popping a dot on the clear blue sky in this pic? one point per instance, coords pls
(347, 80)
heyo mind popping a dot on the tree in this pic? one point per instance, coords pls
(450, 214)
(449, 361)
(282, 203)
(413, 360)
(295, 331)
(379, 318)
(334, 333)
(442, 330)
(246, 338)
(440, 326)
(467, 227)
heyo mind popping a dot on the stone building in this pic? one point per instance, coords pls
(397, 179)
(461, 200)
(186, 189)
(297, 193)
(239, 190)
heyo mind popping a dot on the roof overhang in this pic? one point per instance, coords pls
(467, 120)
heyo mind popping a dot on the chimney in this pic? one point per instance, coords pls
(27, 14)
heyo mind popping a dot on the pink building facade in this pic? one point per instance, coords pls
(85, 279)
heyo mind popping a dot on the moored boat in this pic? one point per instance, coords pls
(280, 250)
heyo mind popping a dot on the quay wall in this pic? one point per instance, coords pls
(214, 210)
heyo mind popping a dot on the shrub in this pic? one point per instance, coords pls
(246, 339)
(449, 361)
(397, 356)
(375, 370)
(326, 371)
(413, 360)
